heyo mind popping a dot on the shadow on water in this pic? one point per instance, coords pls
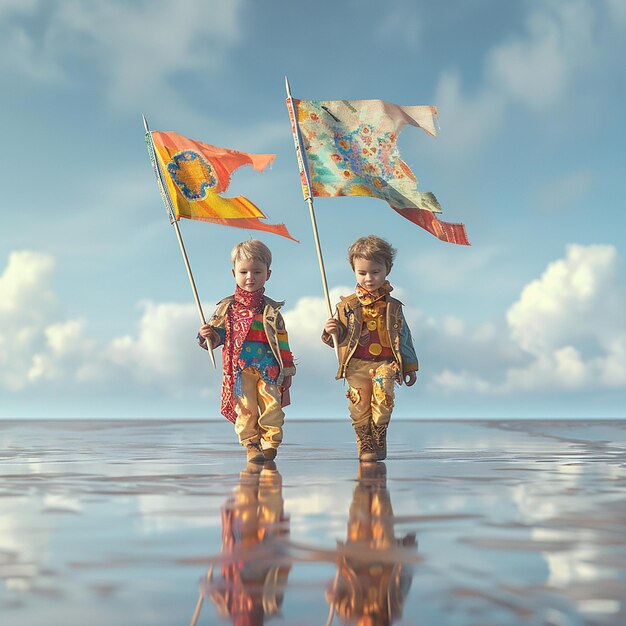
(247, 581)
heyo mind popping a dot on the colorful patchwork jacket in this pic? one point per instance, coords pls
(350, 318)
(273, 325)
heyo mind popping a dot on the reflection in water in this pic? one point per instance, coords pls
(373, 566)
(254, 563)
(525, 520)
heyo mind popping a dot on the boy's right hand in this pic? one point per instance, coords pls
(332, 326)
(206, 331)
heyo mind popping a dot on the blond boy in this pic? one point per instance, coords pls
(256, 359)
(375, 345)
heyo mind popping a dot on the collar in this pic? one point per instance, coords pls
(367, 297)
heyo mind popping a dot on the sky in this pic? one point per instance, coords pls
(97, 317)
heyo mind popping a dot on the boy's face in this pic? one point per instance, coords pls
(251, 275)
(369, 274)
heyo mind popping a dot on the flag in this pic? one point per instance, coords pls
(195, 174)
(351, 150)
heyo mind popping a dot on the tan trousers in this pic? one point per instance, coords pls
(259, 414)
(370, 391)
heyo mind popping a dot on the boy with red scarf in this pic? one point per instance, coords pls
(375, 345)
(256, 359)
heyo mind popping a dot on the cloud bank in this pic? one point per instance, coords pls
(563, 334)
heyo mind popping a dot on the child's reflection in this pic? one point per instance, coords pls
(373, 572)
(255, 567)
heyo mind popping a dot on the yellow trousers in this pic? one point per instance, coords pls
(259, 414)
(370, 391)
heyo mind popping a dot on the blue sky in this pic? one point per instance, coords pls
(96, 314)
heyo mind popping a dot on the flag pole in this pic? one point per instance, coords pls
(306, 191)
(167, 201)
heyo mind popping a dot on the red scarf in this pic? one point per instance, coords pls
(239, 316)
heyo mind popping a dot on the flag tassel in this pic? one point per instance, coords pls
(306, 189)
(170, 211)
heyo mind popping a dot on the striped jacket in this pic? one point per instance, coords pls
(273, 325)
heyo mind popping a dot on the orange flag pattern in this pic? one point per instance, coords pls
(195, 175)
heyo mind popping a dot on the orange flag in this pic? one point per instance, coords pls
(195, 175)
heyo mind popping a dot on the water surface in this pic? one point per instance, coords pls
(466, 523)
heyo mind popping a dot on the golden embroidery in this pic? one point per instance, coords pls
(354, 395)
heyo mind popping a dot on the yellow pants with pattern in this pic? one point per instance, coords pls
(370, 391)
(259, 414)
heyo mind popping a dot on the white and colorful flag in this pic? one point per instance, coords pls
(351, 150)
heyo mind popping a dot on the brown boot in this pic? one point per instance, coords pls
(379, 435)
(254, 454)
(365, 444)
(270, 453)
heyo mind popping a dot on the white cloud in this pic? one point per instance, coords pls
(136, 47)
(24, 285)
(574, 298)
(39, 345)
(306, 320)
(67, 347)
(26, 304)
(566, 332)
(611, 367)
(466, 121)
(315, 361)
(461, 381)
(537, 68)
(164, 350)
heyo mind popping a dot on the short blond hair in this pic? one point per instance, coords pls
(251, 249)
(372, 248)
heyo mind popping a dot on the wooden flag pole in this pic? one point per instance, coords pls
(196, 613)
(167, 201)
(306, 190)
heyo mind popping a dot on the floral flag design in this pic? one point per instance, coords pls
(196, 173)
(351, 150)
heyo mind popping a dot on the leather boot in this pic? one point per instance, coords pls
(379, 435)
(254, 454)
(365, 444)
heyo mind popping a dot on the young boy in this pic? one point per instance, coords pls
(375, 345)
(257, 363)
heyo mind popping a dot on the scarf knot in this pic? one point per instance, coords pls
(368, 297)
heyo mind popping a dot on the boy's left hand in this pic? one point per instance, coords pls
(410, 378)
